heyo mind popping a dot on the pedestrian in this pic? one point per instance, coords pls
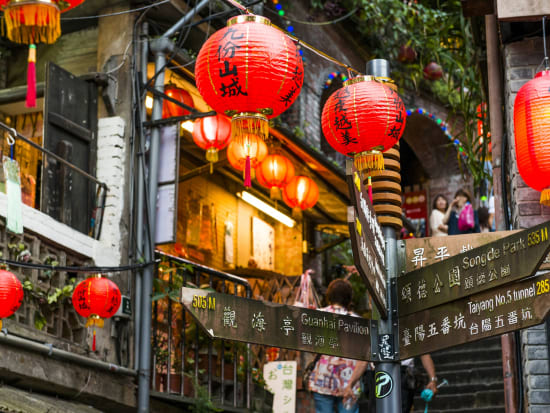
(439, 207)
(460, 216)
(484, 223)
(331, 374)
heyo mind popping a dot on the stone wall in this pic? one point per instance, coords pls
(521, 62)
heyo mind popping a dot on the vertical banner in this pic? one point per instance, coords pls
(415, 207)
(280, 379)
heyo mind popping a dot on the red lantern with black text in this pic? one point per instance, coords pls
(31, 22)
(275, 171)
(363, 119)
(11, 294)
(96, 298)
(212, 134)
(171, 109)
(246, 155)
(300, 194)
(532, 134)
(249, 70)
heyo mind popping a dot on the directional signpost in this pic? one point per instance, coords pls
(367, 241)
(241, 319)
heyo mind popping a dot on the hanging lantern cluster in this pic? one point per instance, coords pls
(96, 298)
(31, 22)
(250, 71)
(532, 134)
(212, 134)
(363, 119)
(11, 294)
(275, 172)
(171, 109)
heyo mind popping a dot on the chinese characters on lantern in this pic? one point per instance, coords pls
(229, 75)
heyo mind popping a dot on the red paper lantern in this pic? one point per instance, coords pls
(212, 134)
(96, 298)
(171, 109)
(300, 194)
(246, 155)
(433, 71)
(363, 119)
(30, 22)
(406, 54)
(532, 133)
(11, 294)
(251, 71)
(275, 171)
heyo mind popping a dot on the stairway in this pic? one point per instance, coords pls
(474, 373)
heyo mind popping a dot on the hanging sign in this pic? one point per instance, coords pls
(280, 379)
(500, 262)
(367, 241)
(277, 325)
(507, 308)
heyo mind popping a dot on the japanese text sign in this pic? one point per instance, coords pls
(502, 261)
(507, 308)
(280, 379)
(241, 319)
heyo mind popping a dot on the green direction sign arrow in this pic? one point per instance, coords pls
(507, 308)
(500, 262)
(241, 319)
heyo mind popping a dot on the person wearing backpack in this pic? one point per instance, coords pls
(460, 217)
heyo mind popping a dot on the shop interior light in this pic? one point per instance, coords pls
(266, 208)
(187, 125)
(149, 102)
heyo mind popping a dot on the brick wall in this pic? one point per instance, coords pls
(521, 62)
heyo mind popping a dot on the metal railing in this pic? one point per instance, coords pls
(184, 357)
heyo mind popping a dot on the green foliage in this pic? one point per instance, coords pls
(202, 402)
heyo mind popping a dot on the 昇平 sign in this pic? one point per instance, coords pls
(500, 262)
(231, 317)
(507, 308)
(367, 241)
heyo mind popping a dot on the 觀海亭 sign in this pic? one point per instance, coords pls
(367, 241)
(231, 317)
(507, 308)
(502, 261)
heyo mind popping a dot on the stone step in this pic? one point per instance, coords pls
(443, 369)
(494, 409)
(450, 402)
(465, 355)
(469, 388)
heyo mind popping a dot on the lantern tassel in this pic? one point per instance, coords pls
(297, 213)
(212, 156)
(370, 188)
(93, 340)
(247, 178)
(369, 161)
(275, 193)
(545, 197)
(31, 77)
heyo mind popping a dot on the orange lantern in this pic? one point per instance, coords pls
(30, 22)
(171, 109)
(275, 171)
(212, 134)
(300, 194)
(532, 134)
(96, 298)
(11, 294)
(246, 155)
(249, 70)
(363, 119)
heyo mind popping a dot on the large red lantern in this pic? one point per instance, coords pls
(300, 194)
(532, 133)
(363, 119)
(96, 298)
(11, 294)
(246, 155)
(30, 22)
(275, 172)
(171, 109)
(212, 134)
(251, 71)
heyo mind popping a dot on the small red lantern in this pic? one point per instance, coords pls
(433, 71)
(363, 119)
(276, 171)
(11, 294)
(406, 54)
(171, 109)
(532, 134)
(249, 70)
(212, 134)
(300, 194)
(96, 298)
(247, 155)
(30, 22)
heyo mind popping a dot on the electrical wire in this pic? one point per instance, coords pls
(118, 13)
(90, 269)
(339, 19)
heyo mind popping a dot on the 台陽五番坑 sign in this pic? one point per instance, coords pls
(500, 262)
(231, 317)
(507, 308)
